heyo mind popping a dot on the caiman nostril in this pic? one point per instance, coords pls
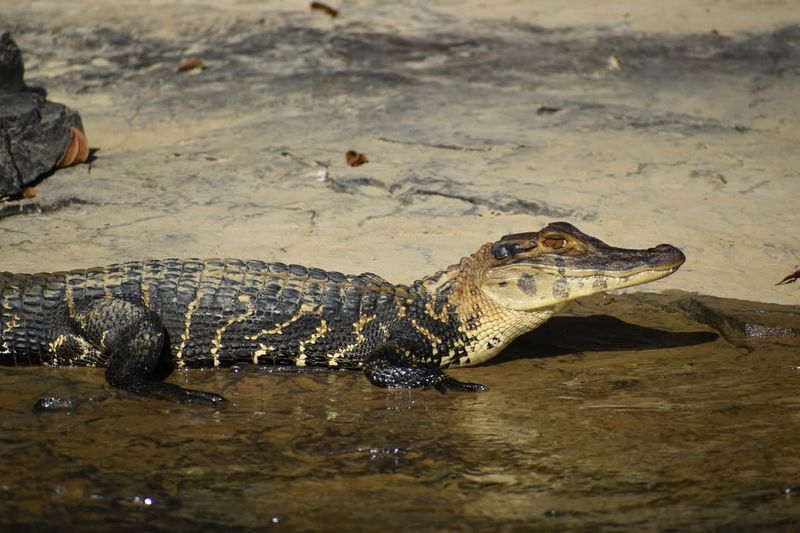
(677, 255)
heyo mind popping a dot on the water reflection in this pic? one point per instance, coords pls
(630, 414)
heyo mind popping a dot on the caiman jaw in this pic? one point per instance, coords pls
(560, 263)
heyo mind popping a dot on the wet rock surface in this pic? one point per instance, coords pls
(623, 412)
(744, 323)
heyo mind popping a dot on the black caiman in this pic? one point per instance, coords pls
(131, 317)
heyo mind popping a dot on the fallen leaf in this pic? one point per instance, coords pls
(328, 10)
(77, 151)
(83, 148)
(191, 63)
(28, 192)
(355, 159)
(791, 278)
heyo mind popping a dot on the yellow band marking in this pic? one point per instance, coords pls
(187, 323)
(84, 347)
(216, 343)
(262, 350)
(104, 339)
(434, 340)
(441, 316)
(10, 326)
(275, 330)
(320, 332)
(358, 330)
(455, 348)
(55, 345)
(146, 295)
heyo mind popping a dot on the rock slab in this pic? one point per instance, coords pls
(34, 132)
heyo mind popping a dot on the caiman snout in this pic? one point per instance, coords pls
(543, 269)
(669, 254)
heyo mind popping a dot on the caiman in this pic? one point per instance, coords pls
(132, 318)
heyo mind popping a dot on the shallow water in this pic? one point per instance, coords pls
(630, 413)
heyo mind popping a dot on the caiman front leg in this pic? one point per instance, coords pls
(133, 338)
(389, 367)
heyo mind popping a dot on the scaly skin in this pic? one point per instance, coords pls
(134, 317)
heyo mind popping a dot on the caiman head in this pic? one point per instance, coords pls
(512, 286)
(543, 269)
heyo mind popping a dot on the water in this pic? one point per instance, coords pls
(628, 414)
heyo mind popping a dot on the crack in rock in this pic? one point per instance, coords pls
(500, 203)
(415, 187)
(36, 208)
(435, 145)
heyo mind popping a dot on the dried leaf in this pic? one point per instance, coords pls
(68, 157)
(355, 159)
(191, 63)
(77, 151)
(83, 145)
(328, 10)
(791, 278)
(29, 192)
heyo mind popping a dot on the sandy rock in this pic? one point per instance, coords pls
(477, 122)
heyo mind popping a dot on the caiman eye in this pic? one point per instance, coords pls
(556, 243)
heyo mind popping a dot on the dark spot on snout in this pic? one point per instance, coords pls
(511, 245)
(527, 284)
(561, 288)
(667, 252)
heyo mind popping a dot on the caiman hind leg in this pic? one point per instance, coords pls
(388, 367)
(133, 339)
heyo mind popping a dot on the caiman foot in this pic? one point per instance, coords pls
(134, 341)
(165, 391)
(395, 375)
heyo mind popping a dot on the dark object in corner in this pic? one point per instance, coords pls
(791, 278)
(34, 132)
(328, 10)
